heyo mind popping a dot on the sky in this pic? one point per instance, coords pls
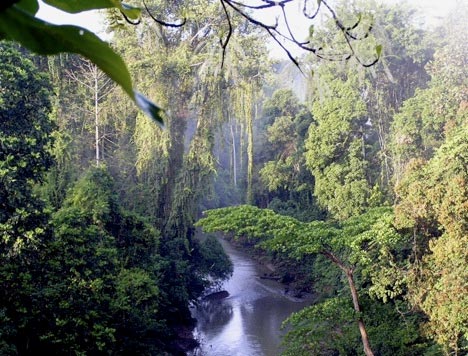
(90, 20)
(433, 11)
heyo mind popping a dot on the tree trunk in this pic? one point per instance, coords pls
(249, 160)
(354, 294)
(96, 115)
(251, 113)
(176, 126)
(362, 328)
(234, 156)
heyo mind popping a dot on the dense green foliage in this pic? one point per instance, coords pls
(357, 191)
(394, 133)
(84, 276)
(362, 247)
(25, 141)
(19, 23)
(289, 184)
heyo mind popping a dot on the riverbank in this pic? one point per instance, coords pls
(247, 317)
(296, 285)
(185, 341)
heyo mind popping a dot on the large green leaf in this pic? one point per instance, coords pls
(44, 38)
(30, 6)
(75, 6)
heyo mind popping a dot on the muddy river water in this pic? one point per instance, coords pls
(248, 321)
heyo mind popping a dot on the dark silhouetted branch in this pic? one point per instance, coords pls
(282, 36)
(134, 23)
(163, 23)
(225, 43)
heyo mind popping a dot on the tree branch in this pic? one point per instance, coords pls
(246, 11)
(228, 37)
(163, 23)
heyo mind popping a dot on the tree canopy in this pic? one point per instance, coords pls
(20, 23)
(355, 177)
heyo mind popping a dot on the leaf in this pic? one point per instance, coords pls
(148, 107)
(30, 6)
(75, 6)
(311, 31)
(378, 50)
(44, 38)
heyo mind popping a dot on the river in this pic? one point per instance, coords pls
(248, 321)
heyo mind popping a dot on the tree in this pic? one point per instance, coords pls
(88, 75)
(429, 144)
(433, 203)
(352, 246)
(174, 166)
(25, 142)
(245, 90)
(100, 286)
(349, 146)
(336, 148)
(425, 119)
(280, 156)
(395, 78)
(19, 23)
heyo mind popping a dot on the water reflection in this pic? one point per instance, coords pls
(248, 322)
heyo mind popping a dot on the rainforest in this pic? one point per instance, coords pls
(338, 169)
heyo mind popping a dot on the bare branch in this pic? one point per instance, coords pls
(163, 23)
(291, 58)
(268, 5)
(250, 18)
(137, 22)
(314, 15)
(246, 11)
(228, 37)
